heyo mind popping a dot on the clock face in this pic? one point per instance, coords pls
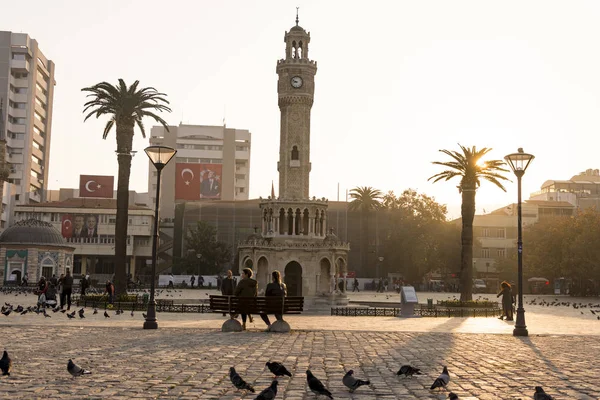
(296, 82)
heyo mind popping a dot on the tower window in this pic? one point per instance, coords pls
(299, 51)
(295, 153)
(294, 49)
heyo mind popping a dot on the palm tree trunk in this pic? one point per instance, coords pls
(365, 242)
(124, 144)
(466, 253)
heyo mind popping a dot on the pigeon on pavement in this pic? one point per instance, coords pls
(106, 315)
(5, 363)
(442, 380)
(7, 311)
(269, 393)
(408, 370)
(76, 370)
(452, 396)
(316, 386)
(72, 315)
(95, 311)
(352, 383)
(81, 311)
(278, 369)
(238, 382)
(540, 394)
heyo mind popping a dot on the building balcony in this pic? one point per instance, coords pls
(18, 112)
(39, 139)
(17, 97)
(19, 82)
(15, 143)
(40, 110)
(20, 65)
(35, 196)
(36, 167)
(15, 158)
(38, 153)
(42, 82)
(16, 128)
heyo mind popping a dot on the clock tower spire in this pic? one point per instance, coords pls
(295, 89)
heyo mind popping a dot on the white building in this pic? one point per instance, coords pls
(26, 90)
(223, 151)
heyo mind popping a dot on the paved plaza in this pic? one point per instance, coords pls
(189, 358)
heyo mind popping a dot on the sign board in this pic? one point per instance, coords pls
(351, 274)
(408, 295)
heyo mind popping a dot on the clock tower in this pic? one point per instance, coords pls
(295, 88)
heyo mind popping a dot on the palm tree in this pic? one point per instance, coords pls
(126, 106)
(366, 199)
(468, 166)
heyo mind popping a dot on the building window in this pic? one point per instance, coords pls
(18, 56)
(242, 190)
(501, 233)
(39, 117)
(485, 232)
(485, 253)
(295, 153)
(501, 253)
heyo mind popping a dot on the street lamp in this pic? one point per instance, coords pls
(519, 162)
(159, 156)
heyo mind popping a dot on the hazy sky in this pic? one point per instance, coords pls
(396, 82)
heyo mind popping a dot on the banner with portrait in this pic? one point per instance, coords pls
(80, 226)
(198, 181)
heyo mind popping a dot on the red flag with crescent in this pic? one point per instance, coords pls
(67, 225)
(96, 186)
(187, 181)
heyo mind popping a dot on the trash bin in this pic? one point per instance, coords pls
(145, 298)
(430, 303)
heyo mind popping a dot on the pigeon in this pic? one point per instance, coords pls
(72, 315)
(352, 383)
(81, 311)
(278, 369)
(7, 312)
(269, 393)
(106, 315)
(442, 380)
(238, 382)
(19, 309)
(95, 311)
(452, 396)
(56, 309)
(408, 370)
(63, 311)
(24, 312)
(316, 386)
(144, 315)
(46, 314)
(132, 313)
(5, 364)
(76, 370)
(540, 394)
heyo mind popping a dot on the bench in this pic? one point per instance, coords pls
(233, 305)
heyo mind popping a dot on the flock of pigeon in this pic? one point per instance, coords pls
(8, 309)
(577, 306)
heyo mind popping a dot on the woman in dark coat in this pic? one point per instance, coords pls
(228, 286)
(247, 287)
(506, 301)
(275, 288)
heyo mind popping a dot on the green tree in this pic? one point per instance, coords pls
(126, 107)
(202, 240)
(366, 199)
(468, 166)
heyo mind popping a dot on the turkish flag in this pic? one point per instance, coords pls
(67, 225)
(96, 186)
(187, 181)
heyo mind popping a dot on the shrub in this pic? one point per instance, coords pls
(469, 304)
(124, 298)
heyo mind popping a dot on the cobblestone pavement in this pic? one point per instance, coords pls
(193, 364)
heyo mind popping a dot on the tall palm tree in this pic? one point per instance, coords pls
(469, 167)
(366, 199)
(126, 107)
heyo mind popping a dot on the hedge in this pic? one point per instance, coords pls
(469, 304)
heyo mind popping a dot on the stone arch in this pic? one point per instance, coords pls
(297, 222)
(294, 49)
(281, 221)
(47, 267)
(247, 263)
(262, 272)
(341, 269)
(324, 284)
(305, 221)
(300, 49)
(290, 220)
(293, 278)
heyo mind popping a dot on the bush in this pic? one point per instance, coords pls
(124, 298)
(469, 304)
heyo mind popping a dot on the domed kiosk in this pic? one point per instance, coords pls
(33, 248)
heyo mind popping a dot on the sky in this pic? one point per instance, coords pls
(397, 81)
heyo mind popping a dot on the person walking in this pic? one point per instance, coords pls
(355, 285)
(171, 281)
(247, 287)
(275, 288)
(228, 286)
(25, 281)
(506, 301)
(109, 289)
(83, 284)
(67, 290)
(42, 289)
(192, 280)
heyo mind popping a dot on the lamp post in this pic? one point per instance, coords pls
(379, 265)
(519, 162)
(159, 156)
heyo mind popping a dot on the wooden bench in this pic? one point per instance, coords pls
(233, 305)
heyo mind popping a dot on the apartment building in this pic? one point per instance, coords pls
(582, 190)
(26, 90)
(212, 163)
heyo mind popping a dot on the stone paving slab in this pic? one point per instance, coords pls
(175, 363)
